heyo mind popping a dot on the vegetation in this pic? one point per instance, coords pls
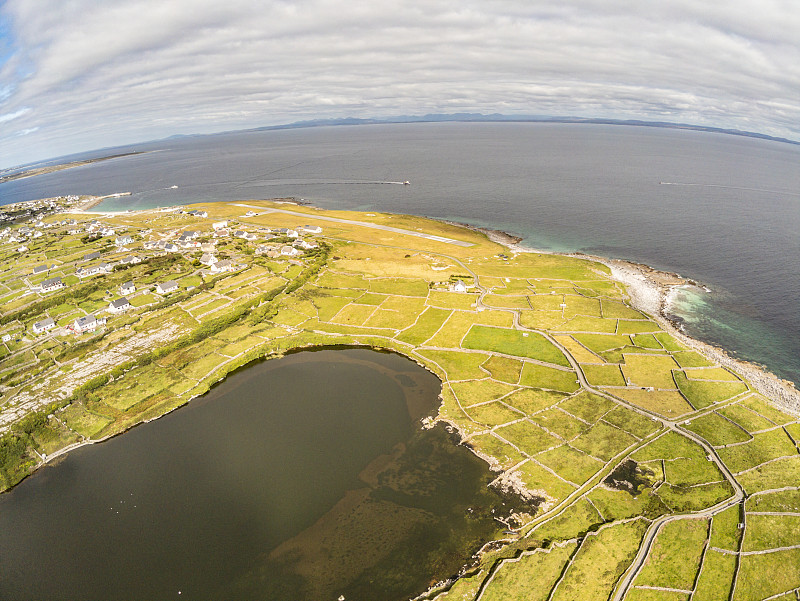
(599, 461)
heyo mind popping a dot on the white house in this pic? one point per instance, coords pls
(22, 249)
(87, 324)
(124, 240)
(127, 288)
(6, 338)
(459, 286)
(289, 251)
(222, 233)
(305, 245)
(44, 325)
(222, 266)
(312, 229)
(171, 248)
(167, 287)
(208, 259)
(130, 260)
(220, 225)
(285, 231)
(119, 305)
(51, 284)
(40, 269)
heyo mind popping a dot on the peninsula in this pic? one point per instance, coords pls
(656, 468)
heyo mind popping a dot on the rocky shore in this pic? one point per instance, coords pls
(650, 291)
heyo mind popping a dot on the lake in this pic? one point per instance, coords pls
(304, 477)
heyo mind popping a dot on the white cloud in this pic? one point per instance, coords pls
(96, 74)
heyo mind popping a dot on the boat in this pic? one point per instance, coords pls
(406, 183)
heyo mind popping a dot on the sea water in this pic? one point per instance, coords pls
(721, 209)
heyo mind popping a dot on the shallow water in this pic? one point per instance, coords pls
(724, 210)
(298, 478)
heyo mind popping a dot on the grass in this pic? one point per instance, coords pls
(619, 310)
(603, 441)
(668, 403)
(540, 481)
(587, 406)
(501, 301)
(763, 447)
(649, 370)
(531, 576)
(582, 323)
(717, 430)
(530, 400)
(452, 300)
(778, 501)
(399, 286)
(702, 394)
(329, 306)
(647, 341)
(502, 453)
(632, 422)
(684, 499)
(636, 327)
(771, 532)
(426, 326)
(762, 576)
(514, 342)
(599, 343)
(457, 365)
(620, 504)
(603, 375)
(528, 437)
(716, 577)
(575, 520)
(674, 558)
(503, 368)
(560, 423)
(600, 561)
(578, 351)
(460, 322)
(477, 391)
(492, 414)
(746, 418)
(692, 359)
(370, 298)
(758, 404)
(710, 373)
(352, 315)
(570, 464)
(725, 532)
(771, 475)
(541, 376)
(84, 422)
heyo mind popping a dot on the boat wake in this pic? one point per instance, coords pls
(730, 188)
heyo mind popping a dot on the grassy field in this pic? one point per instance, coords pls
(511, 392)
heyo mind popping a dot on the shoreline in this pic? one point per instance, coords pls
(650, 290)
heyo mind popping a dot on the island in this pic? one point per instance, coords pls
(653, 467)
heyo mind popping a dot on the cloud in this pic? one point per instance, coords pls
(97, 74)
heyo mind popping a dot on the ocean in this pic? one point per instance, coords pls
(723, 210)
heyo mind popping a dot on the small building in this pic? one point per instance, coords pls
(220, 225)
(459, 286)
(196, 213)
(130, 260)
(188, 235)
(119, 305)
(41, 269)
(222, 266)
(127, 288)
(51, 284)
(6, 338)
(22, 249)
(91, 256)
(265, 249)
(171, 248)
(44, 325)
(285, 231)
(87, 324)
(311, 229)
(208, 259)
(124, 240)
(289, 251)
(167, 287)
(306, 245)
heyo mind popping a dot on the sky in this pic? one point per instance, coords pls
(77, 75)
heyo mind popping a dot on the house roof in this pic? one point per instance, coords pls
(120, 303)
(51, 282)
(44, 323)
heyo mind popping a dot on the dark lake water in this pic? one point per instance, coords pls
(724, 210)
(300, 478)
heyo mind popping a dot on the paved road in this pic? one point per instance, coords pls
(374, 226)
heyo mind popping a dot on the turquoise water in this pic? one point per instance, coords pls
(723, 210)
